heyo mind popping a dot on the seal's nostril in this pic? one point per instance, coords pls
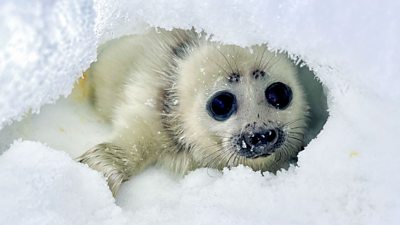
(261, 138)
(255, 139)
(262, 143)
(270, 135)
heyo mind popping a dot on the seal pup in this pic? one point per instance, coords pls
(178, 100)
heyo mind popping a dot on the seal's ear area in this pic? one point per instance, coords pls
(316, 97)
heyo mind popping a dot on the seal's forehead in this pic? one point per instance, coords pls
(228, 61)
(236, 63)
(215, 65)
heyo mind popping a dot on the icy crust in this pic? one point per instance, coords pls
(44, 47)
(43, 186)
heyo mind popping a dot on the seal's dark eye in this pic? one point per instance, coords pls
(278, 95)
(221, 105)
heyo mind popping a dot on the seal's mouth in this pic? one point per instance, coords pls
(262, 143)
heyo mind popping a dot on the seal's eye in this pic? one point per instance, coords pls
(278, 95)
(221, 105)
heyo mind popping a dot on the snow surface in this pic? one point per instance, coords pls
(347, 175)
(44, 47)
(46, 187)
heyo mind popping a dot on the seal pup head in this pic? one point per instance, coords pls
(232, 105)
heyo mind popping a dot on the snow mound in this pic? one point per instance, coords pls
(240, 196)
(44, 47)
(43, 186)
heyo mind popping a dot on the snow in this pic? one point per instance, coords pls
(48, 187)
(44, 47)
(70, 125)
(347, 175)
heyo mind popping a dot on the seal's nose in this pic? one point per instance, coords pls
(263, 142)
(258, 139)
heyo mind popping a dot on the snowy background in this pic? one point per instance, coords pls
(347, 175)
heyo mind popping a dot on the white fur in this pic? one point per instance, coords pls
(128, 85)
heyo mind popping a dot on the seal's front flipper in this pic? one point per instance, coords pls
(112, 161)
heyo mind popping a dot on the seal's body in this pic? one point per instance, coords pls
(180, 101)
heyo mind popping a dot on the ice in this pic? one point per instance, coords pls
(347, 175)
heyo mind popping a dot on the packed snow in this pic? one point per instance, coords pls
(347, 175)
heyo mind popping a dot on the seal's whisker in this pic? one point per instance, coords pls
(227, 61)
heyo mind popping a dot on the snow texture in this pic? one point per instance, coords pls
(47, 187)
(44, 47)
(347, 175)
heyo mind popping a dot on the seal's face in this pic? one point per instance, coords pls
(257, 138)
(241, 106)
